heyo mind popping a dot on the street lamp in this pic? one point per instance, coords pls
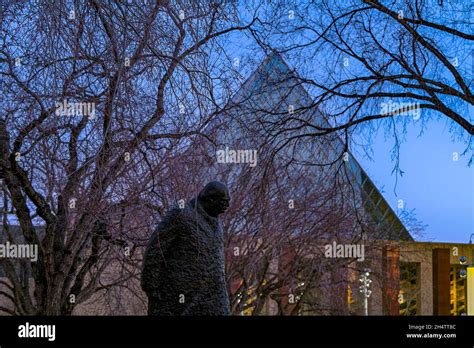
(365, 289)
(463, 262)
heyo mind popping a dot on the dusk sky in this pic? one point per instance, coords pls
(439, 189)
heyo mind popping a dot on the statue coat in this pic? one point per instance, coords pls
(184, 265)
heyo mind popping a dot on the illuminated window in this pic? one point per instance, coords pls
(457, 291)
(409, 288)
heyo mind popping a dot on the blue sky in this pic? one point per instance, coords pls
(439, 189)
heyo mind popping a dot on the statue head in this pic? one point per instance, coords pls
(214, 198)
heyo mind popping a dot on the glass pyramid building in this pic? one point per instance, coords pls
(259, 107)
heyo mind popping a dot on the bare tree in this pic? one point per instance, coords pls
(97, 96)
(288, 203)
(114, 111)
(372, 64)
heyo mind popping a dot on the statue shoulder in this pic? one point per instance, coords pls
(175, 217)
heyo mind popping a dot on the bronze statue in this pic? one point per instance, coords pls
(184, 269)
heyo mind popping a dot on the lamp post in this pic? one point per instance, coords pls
(365, 289)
